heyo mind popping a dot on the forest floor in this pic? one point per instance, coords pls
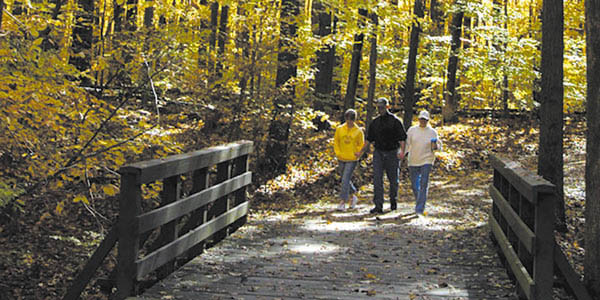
(41, 253)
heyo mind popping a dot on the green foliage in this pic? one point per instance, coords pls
(8, 193)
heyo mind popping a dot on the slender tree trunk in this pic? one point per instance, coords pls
(325, 57)
(449, 108)
(82, 38)
(1, 12)
(149, 14)
(411, 68)
(352, 86)
(131, 18)
(437, 18)
(279, 129)
(505, 94)
(117, 16)
(212, 42)
(372, 70)
(592, 166)
(203, 44)
(550, 164)
(222, 40)
(243, 44)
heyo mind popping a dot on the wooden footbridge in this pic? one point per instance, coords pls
(200, 244)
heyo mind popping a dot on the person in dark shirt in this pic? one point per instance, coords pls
(387, 134)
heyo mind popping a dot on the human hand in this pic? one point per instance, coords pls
(400, 155)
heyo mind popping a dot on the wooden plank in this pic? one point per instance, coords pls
(570, 275)
(167, 213)
(523, 278)
(151, 170)
(519, 227)
(185, 242)
(92, 265)
(129, 238)
(526, 182)
(543, 260)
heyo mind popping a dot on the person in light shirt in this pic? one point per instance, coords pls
(347, 142)
(422, 140)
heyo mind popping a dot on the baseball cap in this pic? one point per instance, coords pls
(383, 101)
(424, 115)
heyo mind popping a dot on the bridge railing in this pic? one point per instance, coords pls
(522, 224)
(214, 207)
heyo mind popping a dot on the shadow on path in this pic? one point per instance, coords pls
(320, 253)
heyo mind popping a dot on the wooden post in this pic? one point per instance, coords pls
(543, 264)
(240, 166)
(168, 232)
(198, 217)
(221, 205)
(129, 208)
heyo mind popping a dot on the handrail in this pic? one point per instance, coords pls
(215, 208)
(522, 223)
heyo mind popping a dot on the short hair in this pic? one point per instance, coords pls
(350, 114)
(383, 101)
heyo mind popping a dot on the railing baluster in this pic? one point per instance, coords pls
(168, 232)
(199, 216)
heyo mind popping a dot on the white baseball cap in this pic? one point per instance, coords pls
(424, 115)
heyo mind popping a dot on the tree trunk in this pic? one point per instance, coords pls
(149, 14)
(117, 16)
(352, 86)
(212, 42)
(222, 41)
(449, 108)
(243, 44)
(505, 94)
(1, 12)
(437, 18)
(550, 164)
(287, 59)
(592, 166)
(131, 23)
(82, 38)
(372, 70)
(325, 58)
(411, 68)
(203, 44)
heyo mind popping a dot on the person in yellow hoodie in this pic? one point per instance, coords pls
(347, 143)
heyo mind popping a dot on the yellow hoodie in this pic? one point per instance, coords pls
(348, 141)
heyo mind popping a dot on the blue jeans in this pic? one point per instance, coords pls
(346, 168)
(419, 177)
(388, 161)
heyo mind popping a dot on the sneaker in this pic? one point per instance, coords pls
(393, 206)
(376, 210)
(354, 201)
(341, 207)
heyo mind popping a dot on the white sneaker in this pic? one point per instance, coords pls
(354, 201)
(341, 207)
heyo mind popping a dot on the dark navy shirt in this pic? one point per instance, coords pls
(386, 132)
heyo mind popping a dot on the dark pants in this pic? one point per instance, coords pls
(388, 161)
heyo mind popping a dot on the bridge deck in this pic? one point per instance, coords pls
(323, 254)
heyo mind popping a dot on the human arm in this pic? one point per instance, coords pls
(401, 153)
(437, 145)
(336, 142)
(364, 149)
